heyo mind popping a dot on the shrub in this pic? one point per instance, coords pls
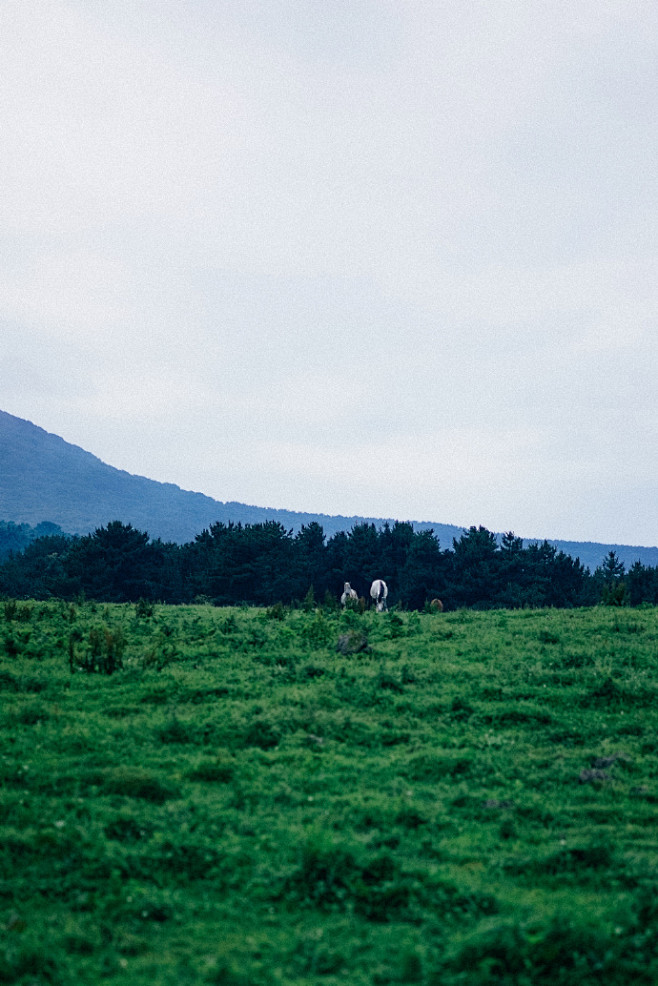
(32, 714)
(317, 633)
(136, 783)
(29, 961)
(143, 609)
(559, 952)
(262, 734)
(104, 654)
(175, 731)
(323, 874)
(125, 828)
(214, 771)
(396, 627)
(388, 682)
(10, 609)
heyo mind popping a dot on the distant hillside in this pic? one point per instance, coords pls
(45, 479)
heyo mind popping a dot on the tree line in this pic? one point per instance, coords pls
(263, 564)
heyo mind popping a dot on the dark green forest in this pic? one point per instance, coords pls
(265, 564)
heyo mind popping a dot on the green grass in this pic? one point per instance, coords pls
(201, 795)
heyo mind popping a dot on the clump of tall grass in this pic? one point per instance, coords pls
(103, 653)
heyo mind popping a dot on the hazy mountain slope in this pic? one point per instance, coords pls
(44, 478)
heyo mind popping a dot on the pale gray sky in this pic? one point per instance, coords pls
(379, 257)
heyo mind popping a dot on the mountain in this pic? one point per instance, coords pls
(45, 479)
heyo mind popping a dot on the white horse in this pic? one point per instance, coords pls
(379, 592)
(349, 595)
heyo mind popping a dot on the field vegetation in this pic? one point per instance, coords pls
(243, 796)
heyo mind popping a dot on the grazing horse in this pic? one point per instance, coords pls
(349, 595)
(379, 592)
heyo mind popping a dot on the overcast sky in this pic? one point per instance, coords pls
(394, 258)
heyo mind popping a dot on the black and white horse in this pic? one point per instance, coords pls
(379, 592)
(349, 595)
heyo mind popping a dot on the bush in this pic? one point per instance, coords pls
(213, 771)
(135, 783)
(104, 654)
(261, 734)
(323, 875)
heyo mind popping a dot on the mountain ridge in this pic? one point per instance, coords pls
(44, 478)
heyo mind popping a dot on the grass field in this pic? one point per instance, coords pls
(458, 798)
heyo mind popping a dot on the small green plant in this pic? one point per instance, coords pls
(104, 654)
(330, 602)
(161, 653)
(219, 771)
(262, 734)
(12, 644)
(229, 625)
(10, 609)
(396, 627)
(317, 632)
(134, 782)
(323, 874)
(144, 610)
(388, 681)
(177, 731)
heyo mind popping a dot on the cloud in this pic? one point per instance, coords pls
(310, 256)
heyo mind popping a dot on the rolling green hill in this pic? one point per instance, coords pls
(198, 794)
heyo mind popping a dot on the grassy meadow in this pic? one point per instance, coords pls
(206, 795)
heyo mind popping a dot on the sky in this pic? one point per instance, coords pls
(390, 258)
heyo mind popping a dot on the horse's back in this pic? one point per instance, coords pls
(379, 592)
